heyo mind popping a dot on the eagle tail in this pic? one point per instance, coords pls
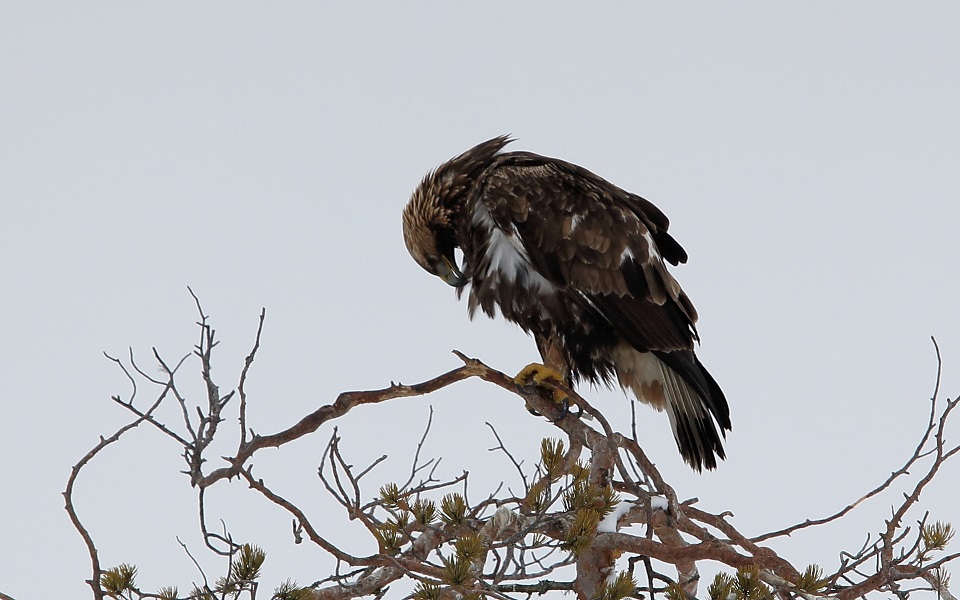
(678, 383)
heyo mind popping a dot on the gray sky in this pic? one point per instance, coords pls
(807, 156)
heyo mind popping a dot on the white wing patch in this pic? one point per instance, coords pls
(652, 250)
(507, 259)
(507, 254)
(652, 247)
(575, 220)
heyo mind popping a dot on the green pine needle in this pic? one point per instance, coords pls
(583, 495)
(748, 585)
(227, 585)
(621, 587)
(457, 572)
(167, 593)
(390, 538)
(470, 547)
(248, 563)
(551, 456)
(453, 509)
(674, 591)
(811, 580)
(943, 579)
(290, 590)
(580, 471)
(200, 594)
(582, 531)
(119, 579)
(936, 536)
(721, 587)
(390, 494)
(426, 591)
(424, 511)
(402, 520)
(538, 498)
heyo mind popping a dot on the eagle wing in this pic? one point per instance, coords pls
(591, 238)
(607, 248)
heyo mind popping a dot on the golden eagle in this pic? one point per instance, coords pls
(580, 264)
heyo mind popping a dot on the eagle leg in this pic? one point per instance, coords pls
(535, 374)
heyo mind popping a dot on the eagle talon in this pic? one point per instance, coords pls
(565, 409)
(533, 376)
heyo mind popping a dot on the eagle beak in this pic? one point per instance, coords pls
(448, 271)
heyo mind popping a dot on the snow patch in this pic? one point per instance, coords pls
(659, 503)
(504, 519)
(609, 522)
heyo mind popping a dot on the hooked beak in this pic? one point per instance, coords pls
(447, 270)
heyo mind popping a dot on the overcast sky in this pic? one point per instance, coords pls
(807, 154)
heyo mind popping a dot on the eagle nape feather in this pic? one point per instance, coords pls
(581, 265)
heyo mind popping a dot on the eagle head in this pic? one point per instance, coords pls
(430, 218)
(428, 230)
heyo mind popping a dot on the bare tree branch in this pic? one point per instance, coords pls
(567, 529)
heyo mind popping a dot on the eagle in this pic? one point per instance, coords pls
(579, 264)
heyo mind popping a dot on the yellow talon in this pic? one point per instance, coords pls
(536, 374)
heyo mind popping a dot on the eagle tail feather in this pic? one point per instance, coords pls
(678, 383)
(694, 430)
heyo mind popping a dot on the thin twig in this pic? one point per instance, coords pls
(97, 572)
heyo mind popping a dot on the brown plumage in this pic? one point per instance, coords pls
(580, 264)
